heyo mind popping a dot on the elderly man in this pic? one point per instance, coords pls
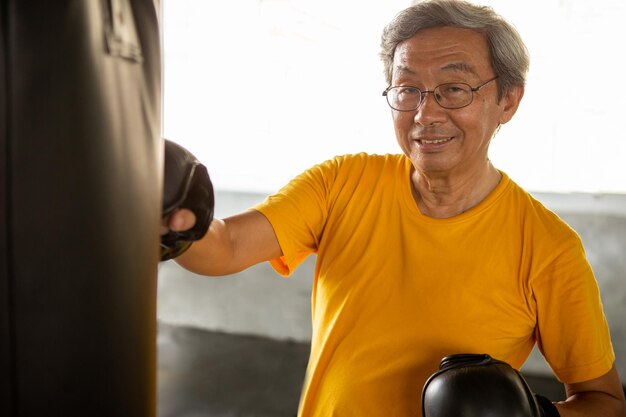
(433, 251)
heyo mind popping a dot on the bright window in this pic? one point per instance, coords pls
(262, 89)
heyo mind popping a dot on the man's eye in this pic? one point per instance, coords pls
(408, 91)
(451, 89)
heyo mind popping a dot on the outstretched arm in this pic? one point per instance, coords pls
(231, 245)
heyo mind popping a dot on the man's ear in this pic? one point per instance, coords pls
(510, 102)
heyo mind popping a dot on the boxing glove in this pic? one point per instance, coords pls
(476, 385)
(186, 184)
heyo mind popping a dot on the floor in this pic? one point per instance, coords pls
(210, 374)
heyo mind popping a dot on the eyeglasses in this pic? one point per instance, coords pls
(448, 96)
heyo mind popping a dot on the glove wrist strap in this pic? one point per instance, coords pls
(548, 408)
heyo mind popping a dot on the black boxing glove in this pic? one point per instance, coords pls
(476, 385)
(186, 185)
(548, 408)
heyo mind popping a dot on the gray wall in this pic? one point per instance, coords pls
(260, 302)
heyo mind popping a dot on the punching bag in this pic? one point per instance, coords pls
(80, 197)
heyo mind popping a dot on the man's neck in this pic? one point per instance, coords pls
(444, 196)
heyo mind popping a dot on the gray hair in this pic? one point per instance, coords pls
(509, 56)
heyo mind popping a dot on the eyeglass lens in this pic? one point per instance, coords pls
(450, 96)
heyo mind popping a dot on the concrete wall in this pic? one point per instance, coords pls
(260, 302)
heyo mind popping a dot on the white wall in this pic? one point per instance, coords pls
(261, 90)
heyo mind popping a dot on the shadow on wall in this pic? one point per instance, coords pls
(214, 374)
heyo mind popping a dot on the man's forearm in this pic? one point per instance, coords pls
(591, 404)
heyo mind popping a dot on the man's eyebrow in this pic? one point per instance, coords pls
(451, 67)
(460, 67)
(404, 69)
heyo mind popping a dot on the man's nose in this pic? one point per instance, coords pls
(429, 111)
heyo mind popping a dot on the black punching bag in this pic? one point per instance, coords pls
(80, 200)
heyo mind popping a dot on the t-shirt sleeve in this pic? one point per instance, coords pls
(297, 213)
(572, 333)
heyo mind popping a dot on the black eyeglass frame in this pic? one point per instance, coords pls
(423, 94)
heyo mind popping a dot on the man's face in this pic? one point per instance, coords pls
(448, 141)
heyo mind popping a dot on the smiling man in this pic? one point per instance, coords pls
(446, 132)
(433, 251)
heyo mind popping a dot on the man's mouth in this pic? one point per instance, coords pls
(433, 141)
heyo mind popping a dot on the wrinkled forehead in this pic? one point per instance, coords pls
(443, 49)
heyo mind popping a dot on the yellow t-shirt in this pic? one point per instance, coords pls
(394, 291)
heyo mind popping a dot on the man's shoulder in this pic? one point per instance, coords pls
(535, 213)
(369, 157)
(367, 160)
